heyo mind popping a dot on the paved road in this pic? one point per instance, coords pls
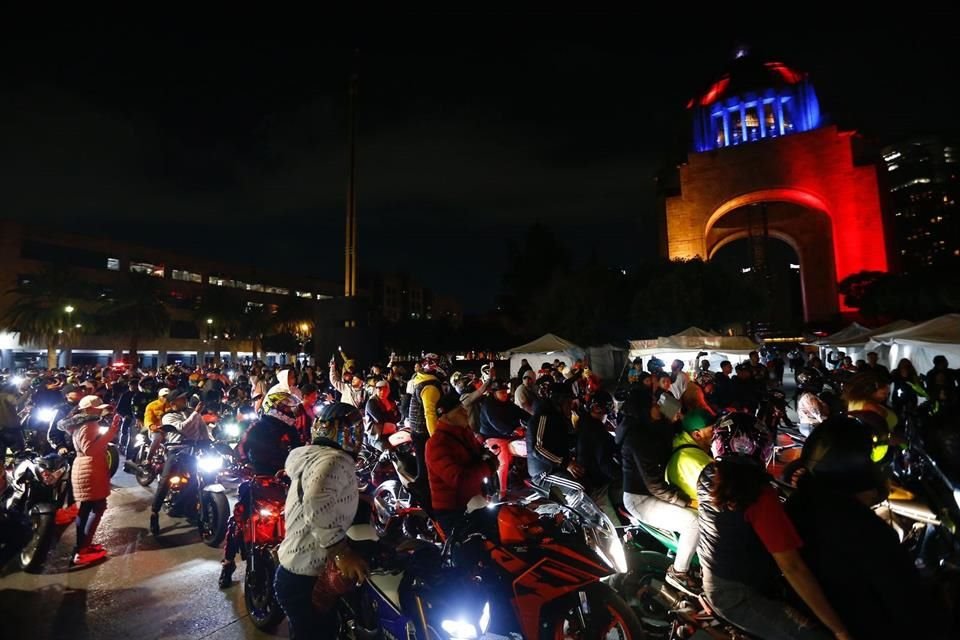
(147, 588)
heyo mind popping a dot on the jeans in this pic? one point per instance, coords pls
(234, 537)
(757, 614)
(663, 515)
(294, 594)
(126, 437)
(88, 519)
(163, 483)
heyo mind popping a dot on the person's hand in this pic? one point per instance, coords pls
(351, 565)
(117, 419)
(576, 470)
(198, 408)
(63, 451)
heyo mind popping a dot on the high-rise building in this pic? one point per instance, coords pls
(923, 181)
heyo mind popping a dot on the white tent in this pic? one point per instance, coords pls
(606, 361)
(546, 348)
(852, 332)
(855, 346)
(687, 344)
(921, 342)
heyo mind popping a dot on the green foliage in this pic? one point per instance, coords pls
(908, 296)
(136, 310)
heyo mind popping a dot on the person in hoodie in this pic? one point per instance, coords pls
(351, 388)
(286, 383)
(320, 507)
(264, 447)
(499, 417)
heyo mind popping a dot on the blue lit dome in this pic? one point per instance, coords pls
(752, 101)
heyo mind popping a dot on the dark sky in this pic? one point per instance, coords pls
(472, 127)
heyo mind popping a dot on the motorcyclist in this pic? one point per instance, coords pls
(153, 421)
(264, 446)
(499, 417)
(597, 453)
(747, 541)
(646, 449)
(549, 461)
(856, 557)
(320, 507)
(456, 462)
(183, 427)
(691, 452)
(380, 412)
(58, 439)
(811, 410)
(422, 417)
(15, 528)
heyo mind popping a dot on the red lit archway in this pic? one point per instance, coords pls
(812, 172)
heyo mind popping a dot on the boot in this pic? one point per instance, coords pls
(227, 567)
(155, 524)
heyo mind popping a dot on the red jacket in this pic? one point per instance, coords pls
(455, 467)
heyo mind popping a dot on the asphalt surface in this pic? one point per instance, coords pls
(147, 587)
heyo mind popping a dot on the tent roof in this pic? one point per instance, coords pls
(694, 332)
(853, 332)
(546, 343)
(896, 325)
(944, 330)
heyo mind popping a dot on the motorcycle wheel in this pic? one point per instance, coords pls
(642, 589)
(214, 514)
(610, 618)
(262, 605)
(34, 554)
(145, 473)
(113, 459)
(384, 508)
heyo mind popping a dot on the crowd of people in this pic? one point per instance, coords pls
(683, 452)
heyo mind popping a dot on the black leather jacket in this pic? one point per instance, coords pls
(647, 447)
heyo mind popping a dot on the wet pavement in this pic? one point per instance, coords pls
(147, 587)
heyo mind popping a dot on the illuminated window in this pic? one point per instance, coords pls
(787, 107)
(752, 122)
(219, 281)
(147, 268)
(320, 296)
(770, 120)
(736, 126)
(277, 290)
(186, 276)
(113, 264)
(303, 294)
(718, 127)
(253, 307)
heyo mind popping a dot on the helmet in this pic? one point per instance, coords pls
(655, 365)
(705, 377)
(810, 379)
(431, 364)
(740, 437)
(601, 399)
(283, 406)
(839, 456)
(342, 424)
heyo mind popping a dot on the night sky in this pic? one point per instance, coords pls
(472, 127)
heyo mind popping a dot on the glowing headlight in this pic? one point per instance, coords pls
(249, 415)
(459, 629)
(209, 464)
(139, 440)
(16, 380)
(485, 617)
(232, 430)
(46, 415)
(103, 430)
(956, 497)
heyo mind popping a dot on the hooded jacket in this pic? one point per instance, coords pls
(351, 395)
(89, 476)
(320, 507)
(423, 403)
(283, 379)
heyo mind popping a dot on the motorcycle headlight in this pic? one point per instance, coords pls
(16, 380)
(103, 430)
(603, 539)
(231, 430)
(139, 440)
(47, 414)
(209, 464)
(459, 629)
(249, 415)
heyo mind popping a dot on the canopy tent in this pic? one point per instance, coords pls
(685, 346)
(855, 346)
(852, 332)
(606, 361)
(921, 342)
(546, 348)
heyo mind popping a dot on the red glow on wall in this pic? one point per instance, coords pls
(716, 90)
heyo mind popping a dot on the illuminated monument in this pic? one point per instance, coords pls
(764, 165)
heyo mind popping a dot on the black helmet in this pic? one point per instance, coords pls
(838, 456)
(810, 380)
(341, 424)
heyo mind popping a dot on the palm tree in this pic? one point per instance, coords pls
(44, 310)
(137, 310)
(296, 318)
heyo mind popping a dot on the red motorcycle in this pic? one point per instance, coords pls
(263, 531)
(512, 454)
(539, 564)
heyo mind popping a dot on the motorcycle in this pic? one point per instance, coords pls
(195, 491)
(113, 453)
(263, 531)
(397, 504)
(40, 487)
(144, 468)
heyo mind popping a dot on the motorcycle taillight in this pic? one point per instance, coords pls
(267, 522)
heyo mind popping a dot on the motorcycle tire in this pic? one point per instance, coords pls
(145, 473)
(113, 459)
(34, 554)
(384, 508)
(213, 518)
(644, 589)
(610, 617)
(258, 594)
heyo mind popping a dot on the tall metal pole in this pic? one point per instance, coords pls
(350, 246)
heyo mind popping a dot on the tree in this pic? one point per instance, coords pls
(136, 310)
(45, 309)
(218, 314)
(908, 296)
